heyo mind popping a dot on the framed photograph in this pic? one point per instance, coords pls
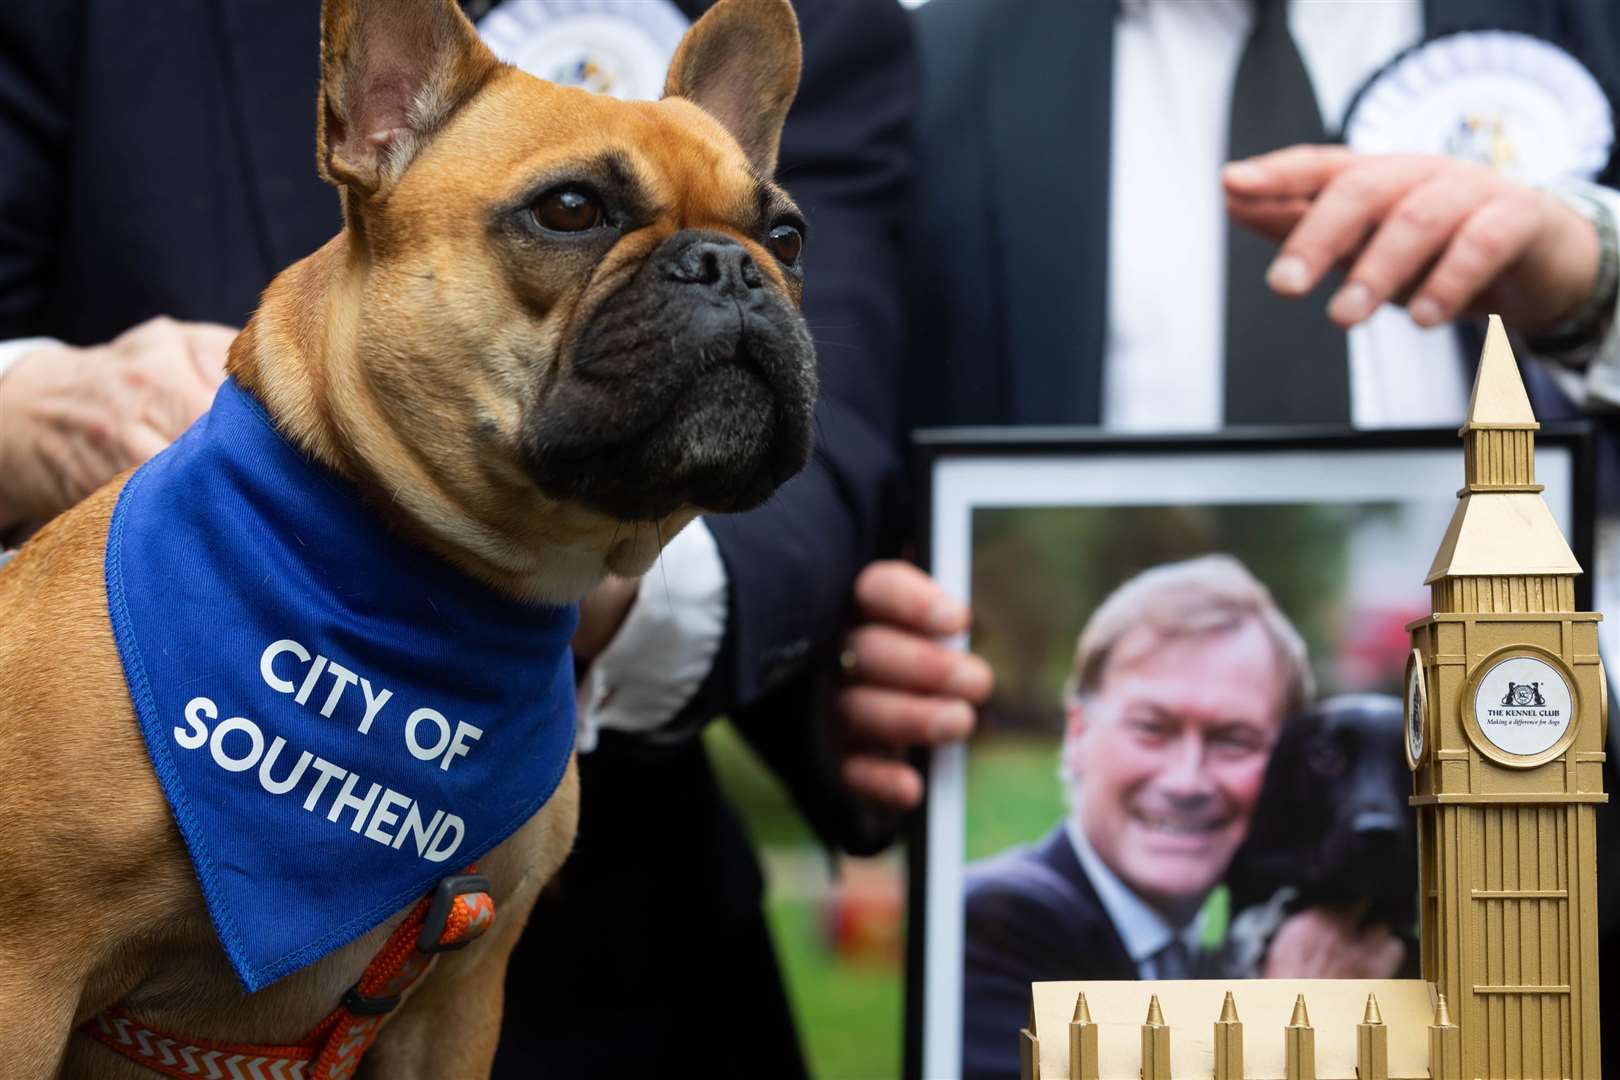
(1052, 536)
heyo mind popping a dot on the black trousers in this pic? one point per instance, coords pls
(649, 954)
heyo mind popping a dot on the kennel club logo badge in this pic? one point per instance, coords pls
(1523, 706)
(1523, 695)
(338, 720)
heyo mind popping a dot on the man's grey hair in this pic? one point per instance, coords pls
(1207, 595)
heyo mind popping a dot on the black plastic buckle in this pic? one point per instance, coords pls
(364, 1006)
(444, 897)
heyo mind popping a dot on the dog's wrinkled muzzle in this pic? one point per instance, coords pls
(694, 385)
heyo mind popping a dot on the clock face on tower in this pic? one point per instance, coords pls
(1417, 709)
(1520, 707)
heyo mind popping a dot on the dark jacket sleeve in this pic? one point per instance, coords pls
(37, 64)
(791, 563)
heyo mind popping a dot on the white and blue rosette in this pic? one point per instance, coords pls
(617, 47)
(1513, 101)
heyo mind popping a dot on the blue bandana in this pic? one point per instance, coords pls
(338, 719)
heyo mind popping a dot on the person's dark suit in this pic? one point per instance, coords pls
(1029, 915)
(1007, 251)
(159, 159)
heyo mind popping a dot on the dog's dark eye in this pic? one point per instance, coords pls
(785, 242)
(1327, 757)
(568, 210)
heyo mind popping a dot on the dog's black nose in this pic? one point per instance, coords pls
(721, 266)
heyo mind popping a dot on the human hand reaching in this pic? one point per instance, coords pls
(1440, 235)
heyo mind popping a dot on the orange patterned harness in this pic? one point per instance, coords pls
(457, 912)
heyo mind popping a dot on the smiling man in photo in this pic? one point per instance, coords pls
(1181, 681)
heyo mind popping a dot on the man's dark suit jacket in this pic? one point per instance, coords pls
(1007, 253)
(160, 159)
(1030, 915)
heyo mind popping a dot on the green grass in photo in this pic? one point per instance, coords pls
(1014, 795)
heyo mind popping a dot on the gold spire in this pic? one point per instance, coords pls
(1082, 1014)
(1442, 1015)
(1155, 1044)
(1499, 396)
(1445, 1044)
(1502, 528)
(1373, 1016)
(1372, 1044)
(1228, 1042)
(1082, 1043)
(1299, 1044)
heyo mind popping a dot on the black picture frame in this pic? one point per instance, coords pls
(1574, 443)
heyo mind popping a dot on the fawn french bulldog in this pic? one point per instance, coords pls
(266, 694)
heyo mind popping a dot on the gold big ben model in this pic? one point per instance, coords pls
(1506, 705)
(1505, 736)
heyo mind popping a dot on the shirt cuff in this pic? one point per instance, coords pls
(17, 348)
(668, 642)
(1595, 384)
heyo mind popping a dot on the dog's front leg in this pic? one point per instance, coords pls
(448, 1027)
(36, 1015)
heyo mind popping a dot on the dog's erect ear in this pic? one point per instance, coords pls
(740, 63)
(392, 72)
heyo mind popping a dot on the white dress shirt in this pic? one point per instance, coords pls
(668, 642)
(1144, 932)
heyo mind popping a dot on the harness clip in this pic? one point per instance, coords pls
(460, 913)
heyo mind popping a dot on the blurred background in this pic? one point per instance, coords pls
(839, 925)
